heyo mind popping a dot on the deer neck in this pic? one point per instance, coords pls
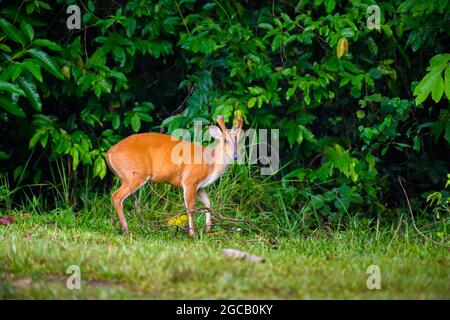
(216, 162)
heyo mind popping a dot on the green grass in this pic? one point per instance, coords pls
(306, 256)
(155, 264)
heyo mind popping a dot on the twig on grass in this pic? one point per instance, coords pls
(413, 221)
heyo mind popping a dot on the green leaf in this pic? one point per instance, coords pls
(31, 93)
(209, 6)
(266, 26)
(43, 5)
(417, 143)
(6, 86)
(360, 114)
(300, 137)
(387, 30)
(145, 117)
(33, 67)
(35, 138)
(277, 41)
(48, 44)
(119, 55)
(12, 32)
(307, 134)
(136, 122)
(16, 71)
(4, 155)
(447, 82)
(115, 121)
(440, 61)
(99, 167)
(4, 47)
(11, 107)
(48, 63)
(75, 158)
(44, 139)
(372, 45)
(131, 27)
(27, 30)
(425, 86)
(103, 171)
(438, 89)
(329, 5)
(375, 73)
(294, 135)
(251, 102)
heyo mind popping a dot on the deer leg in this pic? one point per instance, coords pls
(125, 190)
(189, 199)
(203, 197)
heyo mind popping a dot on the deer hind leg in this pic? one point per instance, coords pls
(127, 188)
(189, 193)
(203, 197)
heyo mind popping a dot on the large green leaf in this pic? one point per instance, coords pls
(12, 32)
(47, 62)
(31, 93)
(27, 30)
(48, 44)
(33, 67)
(433, 82)
(425, 86)
(10, 87)
(8, 105)
(439, 61)
(447, 82)
(438, 89)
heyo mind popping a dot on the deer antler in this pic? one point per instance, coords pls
(238, 123)
(221, 123)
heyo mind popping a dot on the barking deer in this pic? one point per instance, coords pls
(154, 157)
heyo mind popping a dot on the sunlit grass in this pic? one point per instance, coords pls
(305, 257)
(36, 251)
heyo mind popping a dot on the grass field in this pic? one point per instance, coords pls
(36, 251)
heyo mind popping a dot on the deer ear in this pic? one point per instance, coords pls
(215, 132)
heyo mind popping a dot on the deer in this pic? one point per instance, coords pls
(149, 157)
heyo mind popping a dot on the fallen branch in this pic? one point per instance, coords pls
(236, 254)
(413, 221)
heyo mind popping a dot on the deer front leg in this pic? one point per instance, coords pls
(203, 197)
(189, 192)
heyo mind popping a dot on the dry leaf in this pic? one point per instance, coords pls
(181, 221)
(7, 220)
(22, 283)
(342, 47)
(237, 254)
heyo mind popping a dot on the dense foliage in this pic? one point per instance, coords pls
(356, 107)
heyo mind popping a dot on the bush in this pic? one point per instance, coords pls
(357, 107)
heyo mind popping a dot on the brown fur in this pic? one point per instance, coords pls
(145, 157)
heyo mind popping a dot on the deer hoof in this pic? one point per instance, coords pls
(192, 233)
